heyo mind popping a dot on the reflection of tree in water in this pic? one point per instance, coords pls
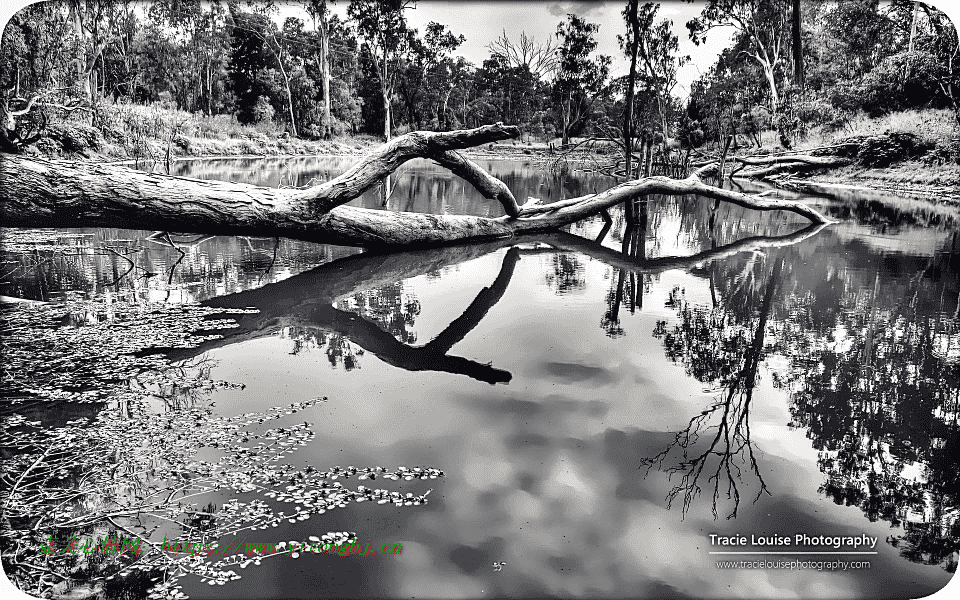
(388, 307)
(565, 273)
(869, 345)
(338, 348)
(627, 288)
(44, 264)
(879, 399)
(717, 350)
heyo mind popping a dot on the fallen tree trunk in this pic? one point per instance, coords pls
(772, 165)
(40, 193)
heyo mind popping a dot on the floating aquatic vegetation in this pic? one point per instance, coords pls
(129, 470)
(74, 351)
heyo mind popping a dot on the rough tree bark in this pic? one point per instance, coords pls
(40, 193)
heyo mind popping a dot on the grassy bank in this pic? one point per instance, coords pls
(928, 163)
(155, 132)
(131, 132)
(922, 158)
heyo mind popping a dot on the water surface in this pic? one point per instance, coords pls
(599, 408)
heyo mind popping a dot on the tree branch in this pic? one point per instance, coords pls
(40, 193)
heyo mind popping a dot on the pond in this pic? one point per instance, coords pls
(609, 409)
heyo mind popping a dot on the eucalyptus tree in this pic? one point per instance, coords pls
(92, 24)
(657, 48)
(630, 44)
(382, 26)
(249, 60)
(319, 11)
(35, 72)
(765, 24)
(185, 47)
(426, 79)
(580, 79)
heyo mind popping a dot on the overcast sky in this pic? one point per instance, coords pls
(483, 22)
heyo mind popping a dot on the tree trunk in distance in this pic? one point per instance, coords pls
(723, 156)
(286, 81)
(797, 45)
(325, 74)
(772, 83)
(630, 208)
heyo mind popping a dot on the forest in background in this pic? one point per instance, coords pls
(78, 73)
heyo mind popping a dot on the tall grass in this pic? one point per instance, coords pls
(931, 125)
(159, 120)
(156, 131)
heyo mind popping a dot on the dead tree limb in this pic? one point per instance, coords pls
(771, 165)
(816, 161)
(574, 209)
(40, 193)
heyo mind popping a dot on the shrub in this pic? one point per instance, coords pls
(182, 142)
(884, 150)
(945, 151)
(263, 110)
(75, 137)
(49, 147)
(903, 80)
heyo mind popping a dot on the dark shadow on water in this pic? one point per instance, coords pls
(305, 302)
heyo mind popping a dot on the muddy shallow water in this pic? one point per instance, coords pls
(596, 417)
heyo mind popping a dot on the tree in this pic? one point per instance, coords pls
(91, 22)
(657, 47)
(36, 73)
(539, 59)
(250, 61)
(630, 44)
(319, 10)
(383, 28)
(184, 50)
(426, 81)
(763, 23)
(280, 49)
(796, 19)
(580, 80)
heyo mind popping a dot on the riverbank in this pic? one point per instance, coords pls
(914, 153)
(907, 179)
(129, 134)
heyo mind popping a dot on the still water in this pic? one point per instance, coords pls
(599, 408)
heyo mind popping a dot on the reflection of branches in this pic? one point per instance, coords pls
(880, 401)
(567, 273)
(731, 439)
(125, 273)
(566, 241)
(633, 245)
(304, 301)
